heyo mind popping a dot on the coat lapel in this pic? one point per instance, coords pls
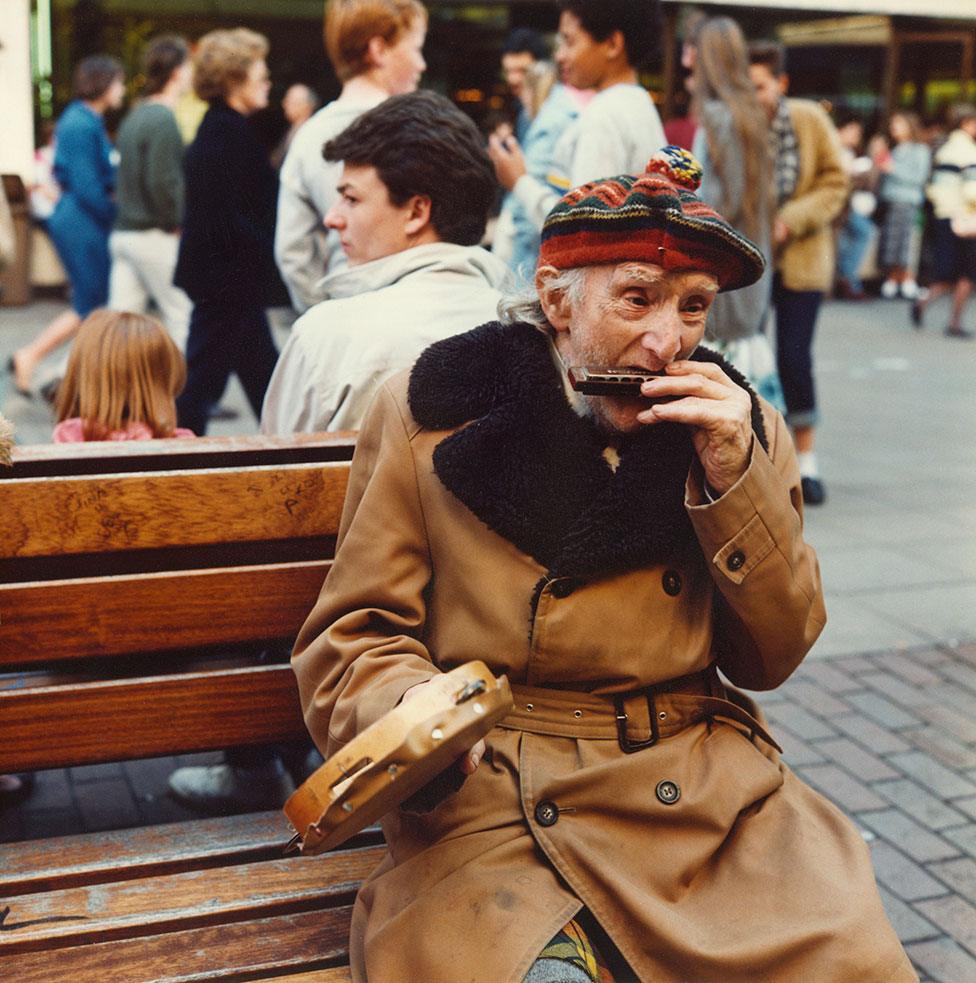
(532, 469)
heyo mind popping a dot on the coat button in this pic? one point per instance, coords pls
(563, 587)
(546, 813)
(672, 583)
(668, 792)
(735, 560)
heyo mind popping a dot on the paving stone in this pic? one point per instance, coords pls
(854, 664)
(943, 960)
(920, 804)
(51, 822)
(842, 789)
(904, 694)
(95, 773)
(932, 657)
(881, 710)
(148, 776)
(955, 917)
(953, 696)
(960, 875)
(908, 924)
(963, 837)
(966, 652)
(909, 666)
(957, 722)
(967, 805)
(795, 749)
(872, 735)
(829, 676)
(928, 772)
(106, 805)
(961, 673)
(801, 722)
(942, 747)
(860, 763)
(52, 790)
(917, 842)
(902, 876)
(11, 825)
(814, 698)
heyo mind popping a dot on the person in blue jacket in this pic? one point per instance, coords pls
(226, 260)
(84, 166)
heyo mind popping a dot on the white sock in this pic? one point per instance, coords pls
(808, 464)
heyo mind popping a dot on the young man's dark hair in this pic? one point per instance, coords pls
(525, 39)
(162, 56)
(94, 74)
(769, 53)
(421, 144)
(639, 21)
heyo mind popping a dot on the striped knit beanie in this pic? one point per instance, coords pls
(654, 218)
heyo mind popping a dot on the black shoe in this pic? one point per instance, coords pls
(223, 412)
(916, 313)
(49, 391)
(956, 332)
(813, 491)
(12, 369)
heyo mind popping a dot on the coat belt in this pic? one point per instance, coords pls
(636, 719)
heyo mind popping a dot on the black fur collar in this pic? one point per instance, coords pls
(532, 469)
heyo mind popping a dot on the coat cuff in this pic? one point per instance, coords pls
(738, 530)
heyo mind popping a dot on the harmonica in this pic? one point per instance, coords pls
(613, 382)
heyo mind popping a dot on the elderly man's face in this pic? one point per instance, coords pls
(631, 314)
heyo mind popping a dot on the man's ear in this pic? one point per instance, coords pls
(784, 83)
(555, 303)
(615, 46)
(376, 49)
(418, 215)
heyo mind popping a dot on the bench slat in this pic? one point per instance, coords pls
(125, 854)
(55, 516)
(49, 621)
(108, 457)
(52, 727)
(255, 947)
(173, 902)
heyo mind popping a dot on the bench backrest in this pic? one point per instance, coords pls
(137, 607)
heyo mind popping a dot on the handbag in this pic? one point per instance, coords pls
(394, 758)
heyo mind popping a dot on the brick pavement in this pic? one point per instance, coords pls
(889, 737)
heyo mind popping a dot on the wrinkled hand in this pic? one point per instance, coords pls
(506, 155)
(467, 762)
(718, 411)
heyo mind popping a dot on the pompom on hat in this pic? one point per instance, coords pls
(654, 218)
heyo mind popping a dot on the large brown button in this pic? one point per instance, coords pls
(668, 792)
(546, 813)
(736, 560)
(672, 583)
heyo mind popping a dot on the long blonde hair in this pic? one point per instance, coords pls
(124, 368)
(721, 73)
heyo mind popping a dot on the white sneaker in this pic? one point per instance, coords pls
(225, 787)
(909, 289)
(889, 289)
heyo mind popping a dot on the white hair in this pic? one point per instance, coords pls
(523, 304)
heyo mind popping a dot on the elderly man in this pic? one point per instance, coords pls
(609, 554)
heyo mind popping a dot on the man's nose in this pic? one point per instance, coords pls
(663, 338)
(333, 220)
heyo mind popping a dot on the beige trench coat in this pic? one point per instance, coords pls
(748, 876)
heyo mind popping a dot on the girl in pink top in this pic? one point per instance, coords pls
(123, 377)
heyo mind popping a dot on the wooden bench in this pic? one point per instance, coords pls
(140, 584)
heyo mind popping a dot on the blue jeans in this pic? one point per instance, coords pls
(852, 243)
(796, 319)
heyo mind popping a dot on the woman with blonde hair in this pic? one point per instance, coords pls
(733, 145)
(226, 258)
(124, 374)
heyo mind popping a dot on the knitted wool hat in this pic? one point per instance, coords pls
(654, 218)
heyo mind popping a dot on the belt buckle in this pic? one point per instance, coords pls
(626, 744)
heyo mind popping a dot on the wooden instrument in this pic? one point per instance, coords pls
(397, 756)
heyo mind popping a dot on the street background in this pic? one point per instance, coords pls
(880, 717)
